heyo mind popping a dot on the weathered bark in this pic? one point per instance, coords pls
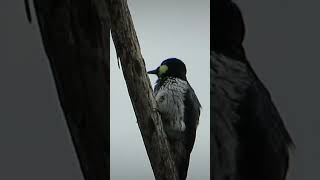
(75, 35)
(139, 87)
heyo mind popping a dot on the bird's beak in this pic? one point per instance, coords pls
(153, 71)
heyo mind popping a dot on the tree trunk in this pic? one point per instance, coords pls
(139, 87)
(76, 39)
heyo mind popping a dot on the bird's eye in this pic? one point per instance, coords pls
(163, 69)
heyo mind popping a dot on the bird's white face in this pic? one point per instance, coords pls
(162, 70)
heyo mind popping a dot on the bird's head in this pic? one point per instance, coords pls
(171, 67)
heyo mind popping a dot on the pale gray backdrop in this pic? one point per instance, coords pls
(166, 28)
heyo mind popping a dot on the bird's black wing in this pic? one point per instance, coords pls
(183, 147)
(250, 139)
(191, 117)
(267, 116)
(230, 80)
(264, 140)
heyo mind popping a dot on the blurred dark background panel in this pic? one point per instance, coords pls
(35, 139)
(281, 46)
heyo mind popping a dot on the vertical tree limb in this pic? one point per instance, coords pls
(139, 87)
(75, 35)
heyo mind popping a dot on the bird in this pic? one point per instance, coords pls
(250, 140)
(179, 108)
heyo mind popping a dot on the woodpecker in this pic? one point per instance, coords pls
(250, 140)
(179, 108)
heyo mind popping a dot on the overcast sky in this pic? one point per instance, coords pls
(165, 29)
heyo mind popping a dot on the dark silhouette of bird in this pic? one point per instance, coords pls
(250, 140)
(179, 108)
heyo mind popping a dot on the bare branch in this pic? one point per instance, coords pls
(139, 87)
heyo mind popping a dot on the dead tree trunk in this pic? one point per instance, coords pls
(76, 39)
(139, 87)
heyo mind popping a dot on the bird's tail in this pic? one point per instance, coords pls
(181, 157)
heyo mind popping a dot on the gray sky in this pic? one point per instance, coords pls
(165, 29)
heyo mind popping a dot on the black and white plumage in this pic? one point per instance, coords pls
(180, 110)
(250, 140)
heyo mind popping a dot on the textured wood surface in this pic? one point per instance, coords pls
(76, 39)
(139, 87)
